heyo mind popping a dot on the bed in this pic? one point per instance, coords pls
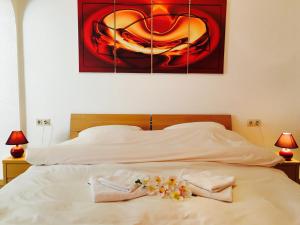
(58, 192)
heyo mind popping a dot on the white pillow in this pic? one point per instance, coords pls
(107, 132)
(195, 126)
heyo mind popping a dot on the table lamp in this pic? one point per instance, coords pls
(16, 138)
(287, 142)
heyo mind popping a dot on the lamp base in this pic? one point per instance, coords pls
(286, 153)
(17, 152)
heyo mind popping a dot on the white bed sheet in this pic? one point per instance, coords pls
(59, 194)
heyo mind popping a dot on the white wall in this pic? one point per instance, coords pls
(9, 95)
(261, 77)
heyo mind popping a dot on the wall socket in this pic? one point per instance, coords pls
(43, 122)
(254, 123)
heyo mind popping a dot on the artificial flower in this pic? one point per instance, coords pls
(169, 187)
(176, 195)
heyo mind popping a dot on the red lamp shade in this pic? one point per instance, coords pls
(286, 141)
(17, 138)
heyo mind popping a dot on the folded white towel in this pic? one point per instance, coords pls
(121, 180)
(102, 193)
(208, 180)
(116, 186)
(224, 195)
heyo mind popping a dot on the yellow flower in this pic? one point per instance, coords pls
(151, 188)
(158, 179)
(145, 181)
(176, 195)
(162, 189)
(183, 191)
(172, 181)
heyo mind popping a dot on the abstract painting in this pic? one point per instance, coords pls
(152, 36)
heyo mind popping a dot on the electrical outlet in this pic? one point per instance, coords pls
(39, 122)
(43, 122)
(254, 123)
(47, 122)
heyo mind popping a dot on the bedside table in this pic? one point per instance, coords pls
(291, 169)
(13, 167)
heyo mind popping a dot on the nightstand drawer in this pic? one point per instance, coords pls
(14, 170)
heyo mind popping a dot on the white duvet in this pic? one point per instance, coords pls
(59, 195)
(184, 144)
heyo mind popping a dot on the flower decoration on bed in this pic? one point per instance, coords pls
(166, 187)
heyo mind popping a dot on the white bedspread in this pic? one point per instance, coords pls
(208, 145)
(59, 194)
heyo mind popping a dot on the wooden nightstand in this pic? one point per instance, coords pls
(13, 167)
(291, 168)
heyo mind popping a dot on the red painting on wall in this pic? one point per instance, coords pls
(151, 36)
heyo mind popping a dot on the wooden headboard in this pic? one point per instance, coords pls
(80, 122)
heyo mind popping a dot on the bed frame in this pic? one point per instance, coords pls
(80, 122)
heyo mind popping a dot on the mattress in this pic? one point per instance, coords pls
(60, 194)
